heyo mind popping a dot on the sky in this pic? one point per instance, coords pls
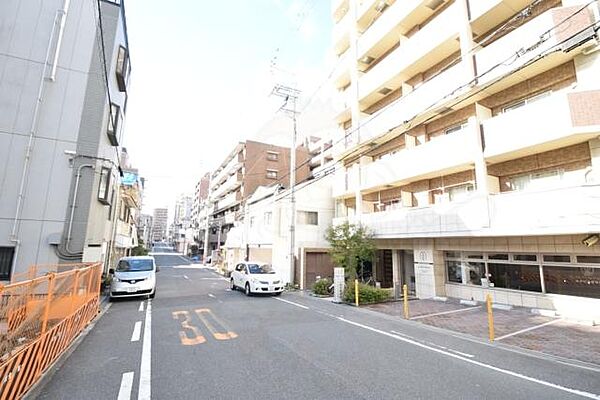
(202, 74)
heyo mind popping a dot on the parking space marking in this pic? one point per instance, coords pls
(126, 386)
(445, 312)
(292, 303)
(137, 330)
(531, 328)
(474, 362)
(141, 306)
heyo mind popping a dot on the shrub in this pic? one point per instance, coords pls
(321, 287)
(366, 294)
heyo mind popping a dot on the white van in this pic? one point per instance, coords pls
(134, 276)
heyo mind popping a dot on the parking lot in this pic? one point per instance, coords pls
(517, 327)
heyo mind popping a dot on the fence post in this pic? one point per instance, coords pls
(89, 284)
(356, 292)
(488, 300)
(405, 300)
(75, 291)
(51, 278)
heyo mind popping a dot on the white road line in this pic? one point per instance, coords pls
(435, 345)
(144, 392)
(291, 302)
(186, 277)
(211, 295)
(529, 329)
(126, 385)
(480, 364)
(137, 329)
(141, 306)
(445, 312)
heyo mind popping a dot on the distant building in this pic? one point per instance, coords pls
(182, 232)
(160, 218)
(145, 229)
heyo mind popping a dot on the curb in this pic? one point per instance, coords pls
(38, 387)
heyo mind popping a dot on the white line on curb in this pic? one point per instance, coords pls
(445, 312)
(141, 306)
(529, 329)
(137, 329)
(483, 365)
(291, 302)
(126, 385)
(144, 392)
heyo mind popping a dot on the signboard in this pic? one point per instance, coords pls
(338, 284)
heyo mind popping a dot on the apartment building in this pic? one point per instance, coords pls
(59, 133)
(249, 165)
(144, 225)
(469, 144)
(160, 218)
(127, 214)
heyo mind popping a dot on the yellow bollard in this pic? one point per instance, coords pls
(488, 300)
(405, 296)
(356, 292)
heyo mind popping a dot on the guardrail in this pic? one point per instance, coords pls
(39, 318)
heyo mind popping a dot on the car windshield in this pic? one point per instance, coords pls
(260, 269)
(134, 265)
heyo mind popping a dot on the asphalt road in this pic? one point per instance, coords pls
(198, 340)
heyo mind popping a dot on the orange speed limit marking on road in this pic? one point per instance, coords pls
(190, 335)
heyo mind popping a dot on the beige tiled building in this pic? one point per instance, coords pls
(469, 144)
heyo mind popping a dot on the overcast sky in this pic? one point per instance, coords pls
(201, 78)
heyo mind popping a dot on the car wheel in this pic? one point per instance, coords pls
(232, 285)
(247, 290)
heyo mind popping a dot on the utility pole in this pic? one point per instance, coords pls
(291, 95)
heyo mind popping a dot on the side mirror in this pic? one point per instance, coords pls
(246, 272)
(111, 271)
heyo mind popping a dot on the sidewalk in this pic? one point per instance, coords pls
(517, 327)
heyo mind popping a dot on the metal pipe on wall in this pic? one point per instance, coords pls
(62, 14)
(74, 203)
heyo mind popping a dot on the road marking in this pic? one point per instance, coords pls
(212, 295)
(186, 340)
(137, 329)
(126, 385)
(141, 306)
(145, 388)
(529, 329)
(186, 277)
(291, 302)
(480, 364)
(228, 334)
(445, 312)
(435, 345)
(214, 279)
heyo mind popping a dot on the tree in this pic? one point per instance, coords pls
(350, 245)
(140, 249)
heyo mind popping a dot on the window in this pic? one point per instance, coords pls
(113, 124)
(308, 218)
(466, 272)
(272, 173)
(525, 257)
(104, 186)
(272, 155)
(526, 101)
(460, 192)
(122, 68)
(535, 180)
(252, 221)
(519, 277)
(573, 281)
(455, 128)
(268, 217)
(588, 259)
(555, 258)
(6, 261)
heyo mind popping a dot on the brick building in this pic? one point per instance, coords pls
(468, 134)
(249, 165)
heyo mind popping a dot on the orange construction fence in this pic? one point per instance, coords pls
(39, 318)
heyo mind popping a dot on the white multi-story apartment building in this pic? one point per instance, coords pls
(63, 96)
(469, 144)
(160, 217)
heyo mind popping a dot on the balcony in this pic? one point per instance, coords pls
(396, 20)
(341, 105)
(436, 41)
(414, 103)
(555, 121)
(339, 8)
(341, 73)
(341, 34)
(227, 201)
(345, 182)
(231, 183)
(486, 14)
(499, 58)
(224, 173)
(443, 155)
(504, 214)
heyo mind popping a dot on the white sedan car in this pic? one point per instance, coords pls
(256, 277)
